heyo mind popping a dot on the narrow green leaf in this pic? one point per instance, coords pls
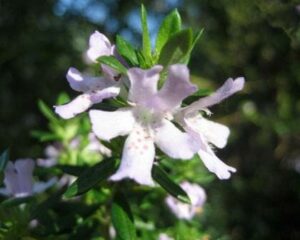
(92, 176)
(47, 112)
(71, 170)
(145, 34)
(196, 39)
(4, 157)
(176, 48)
(126, 50)
(12, 202)
(161, 177)
(113, 63)
(122, 218)
(170, 25)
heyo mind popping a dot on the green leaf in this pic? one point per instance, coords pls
(126, 50)
(170, 25)
(47, 112)
(92, 176)
(161, 177)
(71, 170)
(146, 37)
(4, 157)
(196, 39)
(12, 202)
(176, 48)
(113, 63)
(122, 218)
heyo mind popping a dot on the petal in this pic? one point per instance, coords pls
(143, 83)
(76, 106)
(83, 83)
(43, 186)
(212, 162)
(179, 209)
(137, 159)
(85, 101)
(108, 125)
(213, 132)
(99, 45)
(195, 192)
(174, 142)
(11, 178)
(24, 168)
(227, 89)
(176, 88)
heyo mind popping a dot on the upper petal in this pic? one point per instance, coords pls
(176, 88)
(174, 142)
(99, 45)
(143, 83)
(83, 83)
(108, 125)
(227, 89)
(137, 158)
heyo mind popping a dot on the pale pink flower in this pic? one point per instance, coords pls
(148, 122)
(164, 236)
(186, 211)
(207, 132)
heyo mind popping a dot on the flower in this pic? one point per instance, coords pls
(99, 45)
(207, 132)
(163, 236)
(187, 211)
(18, 179)
(94, 89)
(148, 121)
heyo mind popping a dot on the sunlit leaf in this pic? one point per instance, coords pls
(170, 25)
(126, 50)
(113, 63)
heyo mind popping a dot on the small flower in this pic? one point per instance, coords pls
(207, 132)
(148, 121)
(95, 146)
(18, 179)
(94, 90)
(99, 45)
(184, 210)
(163, 236)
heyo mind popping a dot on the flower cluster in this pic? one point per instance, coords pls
(153, 117)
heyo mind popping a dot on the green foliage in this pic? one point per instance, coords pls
(4, 157)
(127, 51)
(146, 49)
(170, 25)
(161, 177)
(122, 218)
(177, 48)
(92, 176)
(113, 63)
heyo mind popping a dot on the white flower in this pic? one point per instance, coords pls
(187, 211)
(163, 236)
(94, 90)
(207, 132)
(18, 179)
(96, 146)
(148, 122)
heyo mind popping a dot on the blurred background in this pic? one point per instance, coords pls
(258, 39)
